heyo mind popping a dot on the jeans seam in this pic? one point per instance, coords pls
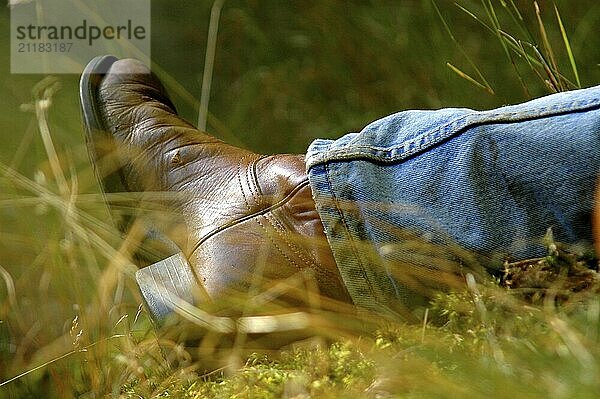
(350, 240)
(448, 130)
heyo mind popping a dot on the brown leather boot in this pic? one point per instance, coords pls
(248, 217)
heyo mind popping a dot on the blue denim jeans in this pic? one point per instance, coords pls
(417, 195)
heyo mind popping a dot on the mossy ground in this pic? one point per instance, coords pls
(534, 334)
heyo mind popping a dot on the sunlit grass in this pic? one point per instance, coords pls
(71, 322)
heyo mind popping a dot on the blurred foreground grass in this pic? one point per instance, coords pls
(285, 73)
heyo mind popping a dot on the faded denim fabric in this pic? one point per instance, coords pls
(417, 194)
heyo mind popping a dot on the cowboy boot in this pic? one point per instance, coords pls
(249, 219)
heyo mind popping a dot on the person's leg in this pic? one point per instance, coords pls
(400, 201)
(490, 182)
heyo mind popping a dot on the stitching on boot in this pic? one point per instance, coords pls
(254, 190)
(255, 173)
(279, 228)
(301, 253)
(247, 217)
(271, 238)
(239, 179)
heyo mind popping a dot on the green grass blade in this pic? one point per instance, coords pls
(485, 83)
(552, 65)
(439, 13)
(469, 78)
(568, 47)
(476, 18)
(496, 23)
(518, 20)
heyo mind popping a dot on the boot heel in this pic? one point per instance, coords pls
(166, 285)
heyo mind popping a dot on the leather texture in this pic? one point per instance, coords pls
(248, 218)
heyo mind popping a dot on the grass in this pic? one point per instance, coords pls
(71, 324)
(481, 342)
